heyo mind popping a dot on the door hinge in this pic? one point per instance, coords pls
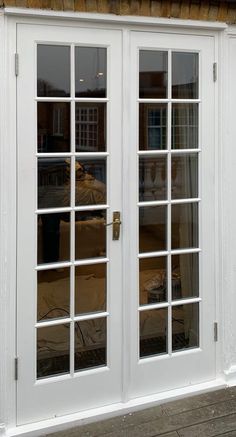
(16, 369)
(16, 64)
(215, 331)
(215, 71)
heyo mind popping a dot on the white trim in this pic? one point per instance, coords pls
(85, 417)
(109, 18)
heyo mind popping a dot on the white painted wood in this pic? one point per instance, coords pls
(152, 375)
(89, 389)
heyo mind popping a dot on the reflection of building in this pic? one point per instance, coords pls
(90, 127)
(53, 127)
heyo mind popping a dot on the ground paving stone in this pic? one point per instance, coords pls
(211, 428)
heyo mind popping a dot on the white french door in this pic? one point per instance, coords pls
(84, 339)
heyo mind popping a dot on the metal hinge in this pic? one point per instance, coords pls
(16, 64)
(215, 71)
(16, 369)
(215, 331)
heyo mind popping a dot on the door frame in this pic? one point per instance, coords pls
(8, 48)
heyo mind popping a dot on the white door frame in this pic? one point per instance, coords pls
(8, 190)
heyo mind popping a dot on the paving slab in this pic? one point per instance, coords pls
(211, 428)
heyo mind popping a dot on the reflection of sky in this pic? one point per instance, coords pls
(184, 65)
(54, 66)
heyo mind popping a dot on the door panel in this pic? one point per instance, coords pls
(172, 228)
(69, 276)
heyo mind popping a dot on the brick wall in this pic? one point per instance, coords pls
(213, 10)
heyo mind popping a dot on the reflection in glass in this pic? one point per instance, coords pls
(152, 228)
(90, 72)
(152, 280)
(53, 182)
(53, 71)
(53, 237)
(53, 294)
(153, 332)
(153, 74)
(90, 182)
(185, 276)
(185, 326)
(90, 234)
(53, 127)
(152, 126)
(152, 178)
(90, 343)
(184, 75)
(184, 176)
(90, 127)
(184, 226)
(53, 344)
(184, 126)
(90, 288)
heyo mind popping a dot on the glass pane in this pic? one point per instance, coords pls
(152, 228)
(184, 75)
(152, 280)
(184, 176)
(53, 127)
(184, 126)
(53, 294)
(53, 71)
(152, 126)
(90, 288)
(53, 237)
(90, 182)
(90, 343)
(185, 276)
(153, 332)
(153, 74)
(53, 356)
(53, 182)
(90, 127)
(152, 178)
(185, 326)
(90, 234)
(184, 226)
(90, 72)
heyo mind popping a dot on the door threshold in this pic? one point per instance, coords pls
(62, 423)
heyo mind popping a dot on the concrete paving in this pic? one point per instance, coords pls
(206, 415)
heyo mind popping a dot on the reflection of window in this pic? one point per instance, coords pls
(184, 126)
(87, 127)
(58, 121)
(156, 128)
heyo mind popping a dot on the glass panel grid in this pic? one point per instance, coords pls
(51, 145)
(183, 197)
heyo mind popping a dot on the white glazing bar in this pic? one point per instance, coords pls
(91, 99)
(53, 99)
(178, 201)
(152, 254)
(53, 210)
(153, 203)
(154, 306)
(50, 266)
(91, 261)
(54, 155)
(91, 207)
(55, 322)
(152, 152)
(91, 316)
(91, 154)
(183, 151)
(186, 301)
(169, 275)
(169, 100)
(183, 251)
(72, 226)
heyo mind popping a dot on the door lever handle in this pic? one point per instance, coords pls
(115, 225)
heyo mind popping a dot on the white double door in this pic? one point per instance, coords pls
(110, 125)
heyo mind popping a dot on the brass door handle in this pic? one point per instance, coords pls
(115, 225)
